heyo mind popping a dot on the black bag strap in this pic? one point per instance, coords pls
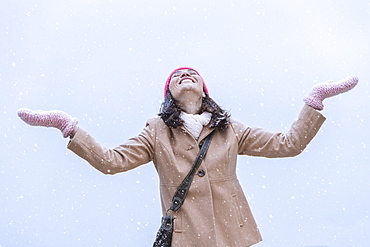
(181, 192)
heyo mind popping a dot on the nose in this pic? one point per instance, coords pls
(184, 73)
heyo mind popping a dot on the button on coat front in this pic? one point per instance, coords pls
(201, 173)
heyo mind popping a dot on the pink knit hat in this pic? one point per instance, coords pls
(166, 86)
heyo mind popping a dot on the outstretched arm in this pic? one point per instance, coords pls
(136, 151)
(259, 142)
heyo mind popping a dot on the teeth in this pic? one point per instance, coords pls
(187, 80)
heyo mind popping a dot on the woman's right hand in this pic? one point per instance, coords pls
(57, 119)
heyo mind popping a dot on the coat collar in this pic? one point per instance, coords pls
(205, 132)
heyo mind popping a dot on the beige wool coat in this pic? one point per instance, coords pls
(215, 212)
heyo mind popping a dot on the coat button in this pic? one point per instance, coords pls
(201, 173)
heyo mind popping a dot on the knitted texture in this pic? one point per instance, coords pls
(56, 119)
(328, 89)
(194, 122)
(166, 86)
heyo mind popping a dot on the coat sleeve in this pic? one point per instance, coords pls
(259, 142)
(133, 153)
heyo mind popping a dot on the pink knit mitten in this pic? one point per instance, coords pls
(325, 90)
(56, 119)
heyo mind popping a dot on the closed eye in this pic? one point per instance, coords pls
(178, 73)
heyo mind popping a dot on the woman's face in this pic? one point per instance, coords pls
(185, 80)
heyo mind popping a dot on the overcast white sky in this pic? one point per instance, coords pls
(105, 62)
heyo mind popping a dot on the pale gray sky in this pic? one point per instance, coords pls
(105, 62)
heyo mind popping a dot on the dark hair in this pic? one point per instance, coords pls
(170, 112)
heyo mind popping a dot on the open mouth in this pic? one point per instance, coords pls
(186, 80)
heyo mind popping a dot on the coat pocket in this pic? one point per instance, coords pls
(237, 207)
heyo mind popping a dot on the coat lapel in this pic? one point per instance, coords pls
(205, 132)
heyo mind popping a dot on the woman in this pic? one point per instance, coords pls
(215, 212)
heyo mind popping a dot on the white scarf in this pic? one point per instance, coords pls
(194, 122)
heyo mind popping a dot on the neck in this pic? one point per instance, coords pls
(191, 105)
